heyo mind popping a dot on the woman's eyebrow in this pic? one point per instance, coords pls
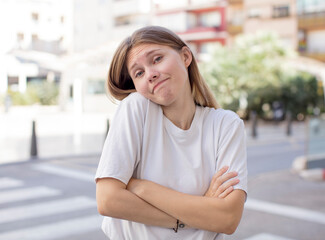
(146, 55)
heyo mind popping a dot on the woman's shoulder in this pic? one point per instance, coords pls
(134, 100)
(222, 117)
(137, 104)
(134, 104)
(220, 114)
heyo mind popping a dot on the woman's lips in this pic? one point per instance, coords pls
(158, 84)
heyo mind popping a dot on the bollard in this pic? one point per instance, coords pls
(7, 103)
(253, 118)
(289, 123)
(33, 148)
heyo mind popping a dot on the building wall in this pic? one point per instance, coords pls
(35, 25)
(311, 25)
(272, 15)
(92, 23)
(200, 23)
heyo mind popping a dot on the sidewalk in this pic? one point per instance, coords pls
(58, 133)
(281, 205)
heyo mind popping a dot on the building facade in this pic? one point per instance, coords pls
(201, 23)
(27, 27)
(250, 16)
(311, 26)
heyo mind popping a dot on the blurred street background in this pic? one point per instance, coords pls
(264, 59)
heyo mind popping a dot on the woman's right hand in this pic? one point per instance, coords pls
(220, 187)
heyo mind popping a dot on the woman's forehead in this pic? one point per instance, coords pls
(142, 51)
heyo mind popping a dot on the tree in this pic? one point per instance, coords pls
(253, 73)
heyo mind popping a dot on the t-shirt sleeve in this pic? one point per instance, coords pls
(122, 148)
(232, 150)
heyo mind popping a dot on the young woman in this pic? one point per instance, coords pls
(173, 165)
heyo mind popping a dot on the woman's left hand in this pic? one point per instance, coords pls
(220, 186)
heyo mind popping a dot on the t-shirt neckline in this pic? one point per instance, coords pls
(173, 129)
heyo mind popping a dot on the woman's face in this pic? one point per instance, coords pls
(159, 72)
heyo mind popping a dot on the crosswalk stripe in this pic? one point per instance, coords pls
(27, 193)
(285, 210)
(46, 209)
(56, 230)
(65, 172)
(266, 236)
(10, 182)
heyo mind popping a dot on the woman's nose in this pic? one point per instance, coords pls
(153, 75)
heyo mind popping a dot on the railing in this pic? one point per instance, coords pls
(234, 29)
(311, 20)
(235, 1)
(314, 55)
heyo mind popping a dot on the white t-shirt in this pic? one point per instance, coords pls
(143, 143)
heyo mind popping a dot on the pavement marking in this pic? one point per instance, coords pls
(285, 210)
(6, 182)
(61, 171)
(27, 193)
(266, 236)
(45, 209)
(56, 230)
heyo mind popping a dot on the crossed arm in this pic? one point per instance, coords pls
(219, 210)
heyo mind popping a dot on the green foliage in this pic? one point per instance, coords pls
(37, 92)
(253, 73)
(300, 94)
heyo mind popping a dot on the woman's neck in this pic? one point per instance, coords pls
(181, 114)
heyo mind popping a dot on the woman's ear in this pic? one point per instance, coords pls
(187, 56)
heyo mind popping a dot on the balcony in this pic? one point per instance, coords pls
(310, 21)
(234, 29)
(320, 56)
(202, 34)
(129, 7)
(233, 2)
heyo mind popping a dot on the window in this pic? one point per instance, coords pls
(211, 19)
(121, 21)
(35, 17)
(20, 37)
(34, 37)
(254, 13)
(96, 86)
(280, 11)
(306, 6)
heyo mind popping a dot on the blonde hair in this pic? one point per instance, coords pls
(119, 82)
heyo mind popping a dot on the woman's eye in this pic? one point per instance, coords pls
(157, 59)
(138, 74)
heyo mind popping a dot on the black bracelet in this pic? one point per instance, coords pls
(176, 228)
(181, 225)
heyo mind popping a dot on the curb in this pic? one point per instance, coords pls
(302, 166)
(314, 174)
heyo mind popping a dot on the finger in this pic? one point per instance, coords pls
(226, 185)
(226, 177)
(220, 180)
(226, 192)
(231, 182)
(219, 173)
